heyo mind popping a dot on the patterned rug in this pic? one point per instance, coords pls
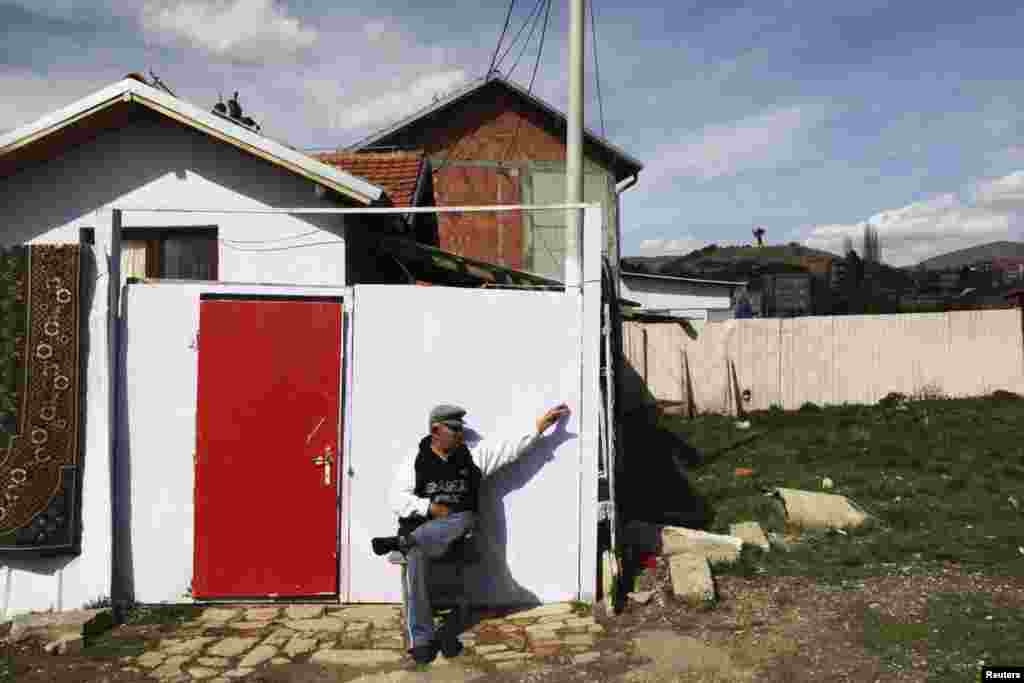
(39, 397)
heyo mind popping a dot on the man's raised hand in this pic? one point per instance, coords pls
(551, 417)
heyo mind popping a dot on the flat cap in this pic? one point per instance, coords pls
(446, 413)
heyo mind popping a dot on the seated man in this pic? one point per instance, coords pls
(440, 482)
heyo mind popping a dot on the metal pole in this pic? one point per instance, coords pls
(574, 229)
(574, 147)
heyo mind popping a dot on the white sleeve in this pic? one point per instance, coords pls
(403, 501)
(491, 456)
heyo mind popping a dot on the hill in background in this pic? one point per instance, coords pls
(981, 253)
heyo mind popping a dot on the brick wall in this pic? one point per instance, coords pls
(479, 150)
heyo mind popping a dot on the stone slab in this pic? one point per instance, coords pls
(238, 673)
(279, 636)
(490, 649)
(231, 647)
(750, 533)
(691, 578)
(249, 625)
(170, 667)
(299, 645)
(190, 646)
(378, 615)
(304, 611)
(258, 655)
(332, 624)
(357, 657)
(220, 662)
(219, 615)
(561, 608)
(262, 613)
(150, 659)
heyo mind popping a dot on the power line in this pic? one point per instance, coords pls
(529, 37)
(536, 7)
(597, 69)
(540, 49)
(508, 17)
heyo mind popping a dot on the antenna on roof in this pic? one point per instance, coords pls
(232, 111)
(160, 84)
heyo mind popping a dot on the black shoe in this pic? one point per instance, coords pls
(424, 654)
(451, 647)
(385, 544)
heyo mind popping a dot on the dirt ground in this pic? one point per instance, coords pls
(779, 629)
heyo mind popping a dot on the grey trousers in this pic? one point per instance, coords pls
(431, 541)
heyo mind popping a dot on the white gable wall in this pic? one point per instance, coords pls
(149, 164)
(153, 163)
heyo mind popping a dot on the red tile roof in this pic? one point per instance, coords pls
(394, 172)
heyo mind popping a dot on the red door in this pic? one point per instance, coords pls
(267, 457)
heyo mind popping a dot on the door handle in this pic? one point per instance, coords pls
(325, 461)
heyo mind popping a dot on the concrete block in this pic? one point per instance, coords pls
(750, 533)
(691, 579)
(675, 540)
(813, 510)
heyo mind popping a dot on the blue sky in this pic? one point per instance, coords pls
(807, 118)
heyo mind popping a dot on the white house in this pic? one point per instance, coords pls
(246, 403)
(682, 297)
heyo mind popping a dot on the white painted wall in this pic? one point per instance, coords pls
(162, 321)
(159, 164)
(689, 299)
(411, 348)
(506, 357)
(153, 164)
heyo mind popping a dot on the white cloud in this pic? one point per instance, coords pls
(256, 31)
(28, 96)
(401, 101)
(763, 141)
(935, 226)
(1006, 193)
(677, 246)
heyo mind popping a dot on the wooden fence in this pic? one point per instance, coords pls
(724, 367)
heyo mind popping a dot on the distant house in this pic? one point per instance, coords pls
(492, 142)
(682, 297)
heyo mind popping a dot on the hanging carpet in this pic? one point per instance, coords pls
(39, 398)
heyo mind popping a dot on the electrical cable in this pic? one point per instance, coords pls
(540, 48)
(597, 69)
(536, 8)
(278, 239)
(501, 38)
(529, 37)
(288, 248)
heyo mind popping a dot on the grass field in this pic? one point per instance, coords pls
(945, 479)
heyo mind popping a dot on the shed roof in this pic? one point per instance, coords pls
(117, 104)
(697, 281)
(626, 164)
(396, 172)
